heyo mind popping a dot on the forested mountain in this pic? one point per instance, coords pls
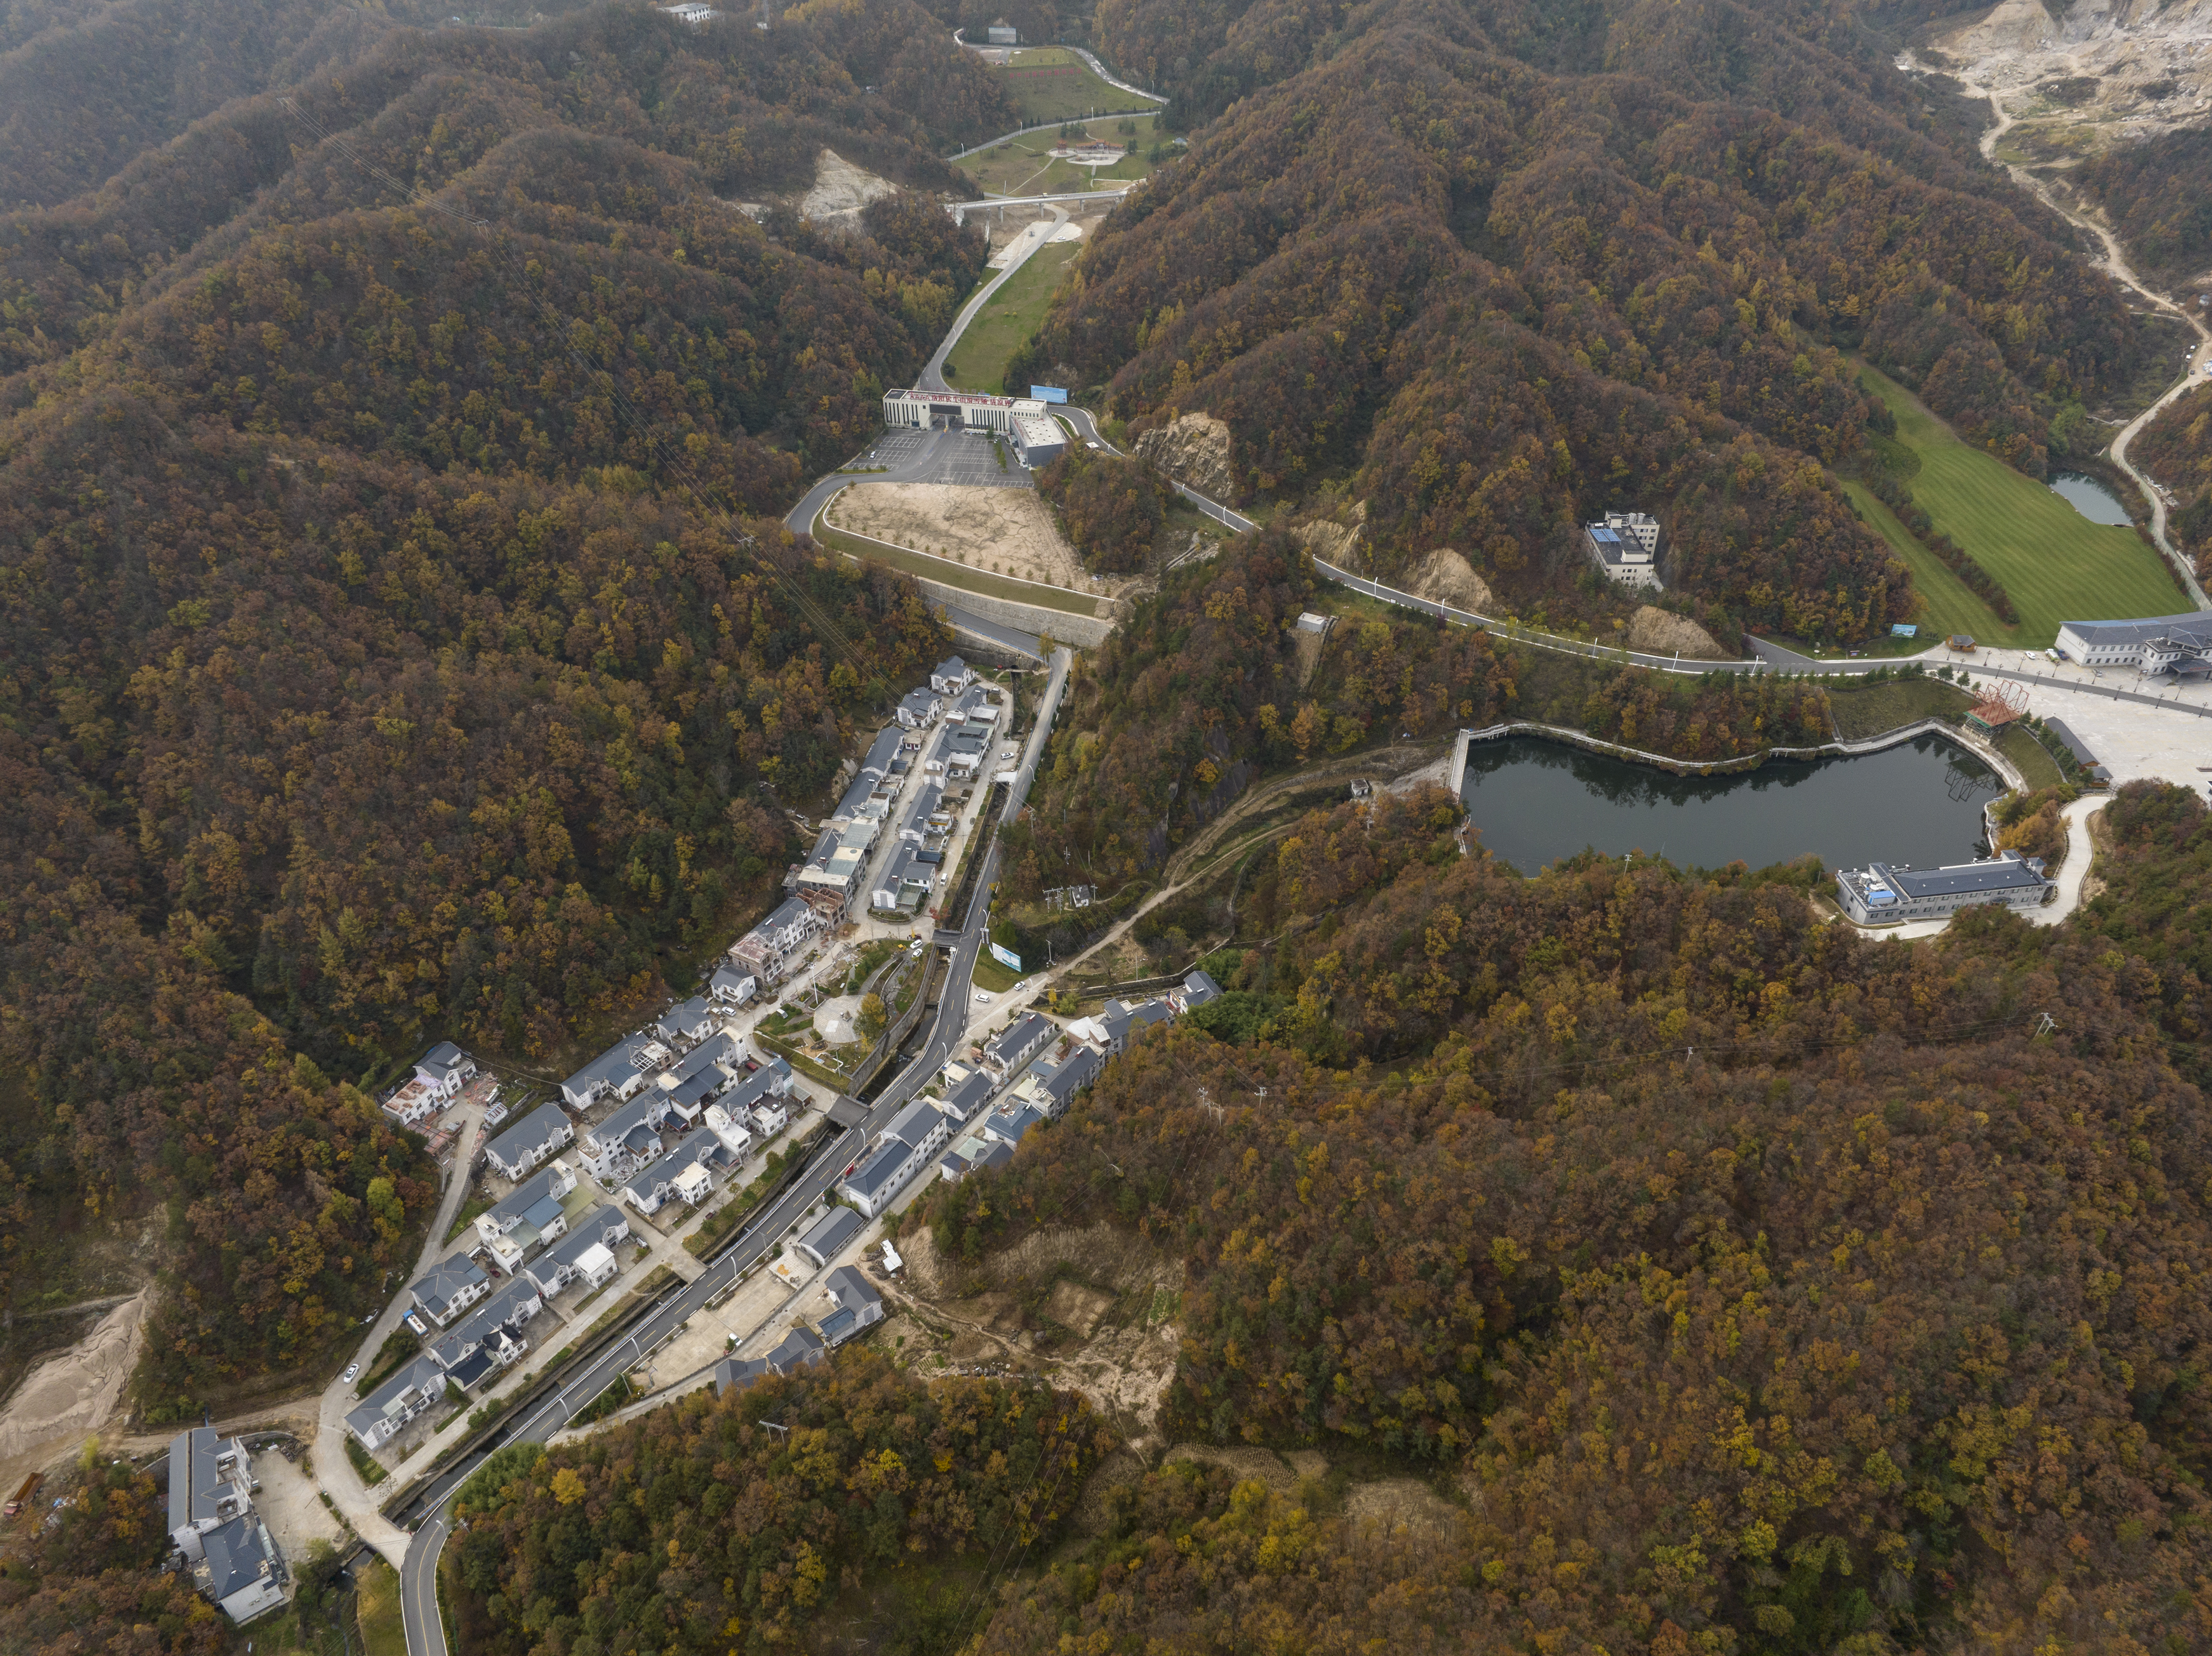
(1760, 1288)
(2176, 449)
(380, 665)
(1496, 268)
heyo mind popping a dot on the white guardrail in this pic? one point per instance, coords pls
(1521, 634)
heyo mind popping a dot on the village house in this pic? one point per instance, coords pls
(732, 986)
(856, 1306)
(491, 1339)
(544, 1131)
(586, 1254)
(681, 1175)
(628, 1136)
(1013, 1046)
(918, 709)
(764, 951)
(950, 677)
(450, 1288)
(820, 1242)
(621, 1070)
(902, 1151)
(693, 1020)
(528, 1216)
(385, 1412)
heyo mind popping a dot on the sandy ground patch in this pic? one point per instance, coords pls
(290, 1504)
(1008, 531)
(1074, 1307)
(841, 189)
(72, 1393)
(1400, 1505)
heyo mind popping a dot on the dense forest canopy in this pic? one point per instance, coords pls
(400, 642)
(1763, 1289)
(1497, 268)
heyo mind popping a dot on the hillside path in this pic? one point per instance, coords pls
(2115, 265)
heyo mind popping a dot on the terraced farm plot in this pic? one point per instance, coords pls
(1048, 83)
(2055, 563)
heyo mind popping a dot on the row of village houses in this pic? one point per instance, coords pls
(472, 1330)
(686, 1072)
(961, 1132)
(968, 1132)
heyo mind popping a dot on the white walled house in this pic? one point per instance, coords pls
(543, 1132)
(450, 1288)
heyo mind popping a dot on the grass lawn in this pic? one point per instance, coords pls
(1048, 83)
(991, 975)
(377, 1610)
(1949, 604)
(1012, 315)
(1022, 164)
(467, 1215)
(2056, 564)
(2020, 745)
(1868, 710)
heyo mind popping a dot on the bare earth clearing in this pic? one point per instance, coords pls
(72, 1394)
(1008, 531)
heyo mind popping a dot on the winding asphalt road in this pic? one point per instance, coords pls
(418, 1575)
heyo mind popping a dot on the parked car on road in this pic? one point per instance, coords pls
(352, 1368)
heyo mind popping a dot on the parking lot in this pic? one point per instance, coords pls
(966, 457)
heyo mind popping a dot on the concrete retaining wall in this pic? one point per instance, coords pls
(1981, 749)
(1085, 631)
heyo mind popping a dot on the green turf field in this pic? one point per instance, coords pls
(1948, 603)
(2055, 563)
(977, 361)
(1050, 84)
(1024, 166)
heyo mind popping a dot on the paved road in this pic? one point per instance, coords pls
(1101, 194)
(933, 376)
(418, 1579)
(333, 1469)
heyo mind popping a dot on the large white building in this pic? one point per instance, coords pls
(2157, 644)
(1881, 894)
(1626, 546)
(918, 410)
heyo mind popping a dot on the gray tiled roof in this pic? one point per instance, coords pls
(451, 1276)
(533, 1129)
(831, 1232)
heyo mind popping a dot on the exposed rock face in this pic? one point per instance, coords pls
(1444, 577)
(1331, 542)
(840, 191)
(1193, 449)
(1657, 633)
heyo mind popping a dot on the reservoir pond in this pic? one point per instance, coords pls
(2094, 499)
(1535, 802)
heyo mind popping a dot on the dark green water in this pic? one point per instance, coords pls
(2089, 497)
(1535, 802)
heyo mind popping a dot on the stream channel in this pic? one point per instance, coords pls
(1535, 802)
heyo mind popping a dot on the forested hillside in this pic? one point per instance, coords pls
(1496, 269)
(381, 665)
(694, 1530)
(1759, 1288)
(2176, 450)
(1199, 694)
